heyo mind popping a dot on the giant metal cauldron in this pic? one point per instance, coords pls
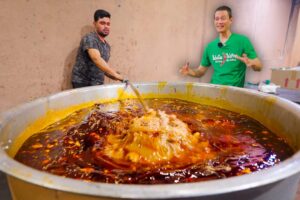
(279, 115)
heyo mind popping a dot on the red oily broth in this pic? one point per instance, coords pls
(176, 142)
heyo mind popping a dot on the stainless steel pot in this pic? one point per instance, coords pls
(278, 182)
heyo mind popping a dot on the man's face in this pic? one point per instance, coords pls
(222, 21)
(103, 26)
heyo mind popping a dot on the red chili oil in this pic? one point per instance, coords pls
(73, 146)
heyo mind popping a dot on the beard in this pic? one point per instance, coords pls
(102, 34)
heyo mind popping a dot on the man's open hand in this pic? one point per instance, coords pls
(244, 59)
(185, 69)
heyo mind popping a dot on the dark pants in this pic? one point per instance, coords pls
(79, 85)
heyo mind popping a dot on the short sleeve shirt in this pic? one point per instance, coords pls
(85, 71)
(227, 69)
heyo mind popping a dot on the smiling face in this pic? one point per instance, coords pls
(222, 21)
(102, 26)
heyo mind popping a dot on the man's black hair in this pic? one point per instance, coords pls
(226, 8)
(101, 14)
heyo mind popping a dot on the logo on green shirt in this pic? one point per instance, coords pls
(225, 57)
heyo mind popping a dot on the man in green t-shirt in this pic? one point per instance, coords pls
(229, 54)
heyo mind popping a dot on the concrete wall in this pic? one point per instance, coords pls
(150, 39)
(293, 57)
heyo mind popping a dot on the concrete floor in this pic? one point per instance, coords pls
(298, 193)
(4, 191)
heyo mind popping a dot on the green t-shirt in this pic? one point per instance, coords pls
(227, 69)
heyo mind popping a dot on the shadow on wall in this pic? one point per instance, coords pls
(70, 60)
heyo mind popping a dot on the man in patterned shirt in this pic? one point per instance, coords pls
(93, 54)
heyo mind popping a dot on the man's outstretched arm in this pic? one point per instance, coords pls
(101, 64)
(255, 63)
(197, 72)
